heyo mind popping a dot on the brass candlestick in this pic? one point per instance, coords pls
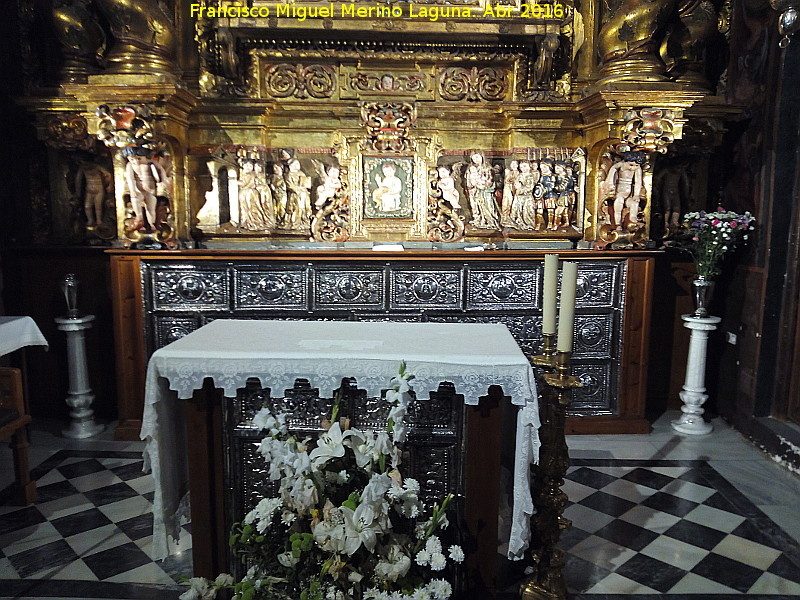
(547, 358)
(547, 580)
(561, 379)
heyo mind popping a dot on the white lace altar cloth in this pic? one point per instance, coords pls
(17, 332)
(471, 356)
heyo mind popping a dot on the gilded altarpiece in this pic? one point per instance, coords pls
(256, 132)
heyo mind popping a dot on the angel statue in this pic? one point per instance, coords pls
(92, 184)
(330, 184)
(446, 184)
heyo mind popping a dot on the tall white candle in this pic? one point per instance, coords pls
(566, 314)
(550, 293)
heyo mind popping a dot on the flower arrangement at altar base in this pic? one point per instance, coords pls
(708, 236)
(344, 524)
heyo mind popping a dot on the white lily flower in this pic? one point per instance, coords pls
(396, 564)
(330, 445)
(302, 496)
(359, 525)
(378, 485)
(288, 560)
(199, 589)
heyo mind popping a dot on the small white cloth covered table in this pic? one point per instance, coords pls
(471, 356)
(18, 332)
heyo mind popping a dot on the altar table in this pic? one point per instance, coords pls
(15, 334)
(18, 332)
(472, 356)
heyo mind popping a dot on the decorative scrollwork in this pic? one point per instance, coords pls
(68, 131)
(650, 129)
(125, 125)
(473, 85)
(387, 83)
(286, 80)
(388, 124)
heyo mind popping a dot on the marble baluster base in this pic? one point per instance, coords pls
(79, 394)
(693, 394)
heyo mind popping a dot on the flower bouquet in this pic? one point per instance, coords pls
(343, 522)
(708, 236)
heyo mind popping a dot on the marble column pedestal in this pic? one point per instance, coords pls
(693, 394)
(79, 394)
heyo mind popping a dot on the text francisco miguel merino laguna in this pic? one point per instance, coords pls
(346, 9)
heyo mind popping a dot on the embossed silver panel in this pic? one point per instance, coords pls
(170, 328)
(429, 288)
(433, 467)
(190, 289)
(270, 289)
(526, 329)
(598, 284)
(180, 295)
(349, 289)
(433, 452)
(598, 394)
(502, 288)
(252, 476)
(594, 335)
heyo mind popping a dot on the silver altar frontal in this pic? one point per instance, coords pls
(471, 356)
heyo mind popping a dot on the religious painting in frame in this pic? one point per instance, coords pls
(388, 187)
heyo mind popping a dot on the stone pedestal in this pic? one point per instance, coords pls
(79, 397)
(693, 394)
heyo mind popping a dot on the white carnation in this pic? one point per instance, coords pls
(456, 554)
(423, 557)
(433, 545)
(440, 589)
(438, 561)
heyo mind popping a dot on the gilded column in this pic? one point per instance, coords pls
(627, 43)
(144, 37)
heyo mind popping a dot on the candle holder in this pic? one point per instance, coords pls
(547, 358)
(561, 379)
(546, 582)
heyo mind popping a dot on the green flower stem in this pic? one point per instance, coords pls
(336, 402)
(438, 513)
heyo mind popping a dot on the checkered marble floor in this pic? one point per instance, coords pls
(656, 528)
(653, 515)
(89, 533)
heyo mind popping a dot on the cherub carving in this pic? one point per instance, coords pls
(331, 183)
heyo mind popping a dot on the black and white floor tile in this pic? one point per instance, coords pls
(89, 533)
(671, 528)
(653, 516)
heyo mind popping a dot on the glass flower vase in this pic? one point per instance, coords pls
(702, 291)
